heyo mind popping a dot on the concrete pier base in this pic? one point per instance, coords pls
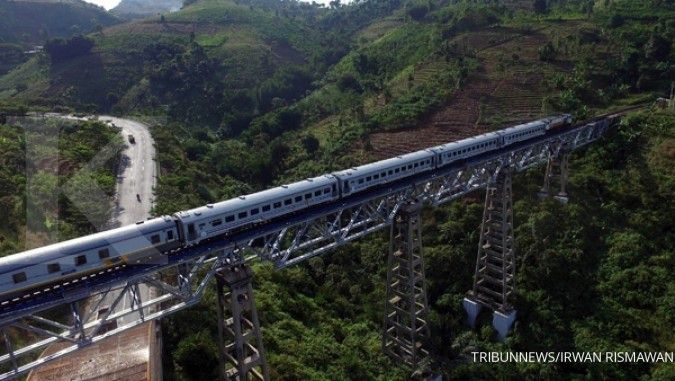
(562, 198)
(502, 322)
(472, 309)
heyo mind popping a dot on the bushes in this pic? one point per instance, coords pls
(287, 84)
(11, 55)
(547, 52)
(186, 80)
(348, 82)
(540, 6)
(616, 20)
(60, 50)
(417, 11)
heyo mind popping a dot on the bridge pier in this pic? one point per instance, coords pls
(494, 278)
(242, 356)
(557, 171)
(405, 323)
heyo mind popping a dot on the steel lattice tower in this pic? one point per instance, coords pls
(494, 278)
(557, 170)
(405, 323)
(242, 356)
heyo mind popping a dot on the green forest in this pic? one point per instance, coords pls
(66, 166)
(246, 94)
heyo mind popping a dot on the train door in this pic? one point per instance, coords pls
(191, 232)
(346, 189)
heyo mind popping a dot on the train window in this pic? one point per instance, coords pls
(229, 218)
(255, 211)
(318, 193)
(154, 238)
(242, 215)
(396, 170)
(103, 253)
(326, 190)
(19, 277)
(416, 165)
(266, 208)
(390, 172)
(409, 166)
(308, 196)
(298, 198)
(53, 268)
(369, 178)
(277, 205)
(80, 260)
(169, 235)
(288, 201)
(360, 181)
(383, 174)
(375, 177)
(216, 222)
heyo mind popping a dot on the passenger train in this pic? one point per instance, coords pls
(146, 240)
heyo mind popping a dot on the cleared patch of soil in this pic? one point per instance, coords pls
(507, 89)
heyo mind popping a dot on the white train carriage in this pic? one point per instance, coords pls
(524, 131)
(384, 171)
(132, 244)
(450, 152)
(227, 216)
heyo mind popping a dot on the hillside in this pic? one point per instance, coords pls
(143, 8)
(240, 46)
(31, 22)
(27, 23)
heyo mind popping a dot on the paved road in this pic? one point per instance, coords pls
(137, 173)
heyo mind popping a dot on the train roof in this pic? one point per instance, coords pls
(461, 143)
(526, 125)
(250, 200)
(383, 164)
(59, 250)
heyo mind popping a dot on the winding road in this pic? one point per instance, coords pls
(137, 173)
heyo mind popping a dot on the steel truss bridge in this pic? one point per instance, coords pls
(63, 314)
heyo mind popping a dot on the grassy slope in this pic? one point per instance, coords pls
(31, 22)
(249, 43)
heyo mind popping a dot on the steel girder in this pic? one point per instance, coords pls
(180, 283)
